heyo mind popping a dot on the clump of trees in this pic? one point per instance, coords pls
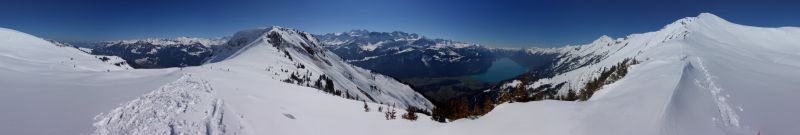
(326, 85)
(411, 113)
(465, 107)
(481, 103)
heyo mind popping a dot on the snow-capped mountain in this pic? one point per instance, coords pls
(160, 53)
(592, 58)
(420, 56)
(297, 57)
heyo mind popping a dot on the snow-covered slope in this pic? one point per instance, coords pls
(294, 56)
(49, 89)
(20, 51)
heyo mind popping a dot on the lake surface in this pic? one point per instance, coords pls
(501, 69)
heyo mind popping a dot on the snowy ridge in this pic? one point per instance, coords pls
(186, 106)
(294, 56)
(698, 76)
(580, 64)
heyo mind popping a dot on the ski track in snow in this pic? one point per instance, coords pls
(727, 113)
(186, 106)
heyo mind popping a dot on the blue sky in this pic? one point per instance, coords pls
(544, 23)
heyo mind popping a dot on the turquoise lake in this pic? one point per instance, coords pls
(501, 69)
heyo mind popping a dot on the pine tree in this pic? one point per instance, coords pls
(390, 114)
(366, 108)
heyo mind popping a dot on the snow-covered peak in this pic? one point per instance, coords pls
(683, 23)
(603, 39)
(709, 16)
(275, 35)
(295, 56)
(287, 34)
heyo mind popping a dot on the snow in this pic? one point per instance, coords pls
(64, 102)
(365, 58)
(404, 50)
(87, 50)
(699, 75)
(186, 106)
(370, 46)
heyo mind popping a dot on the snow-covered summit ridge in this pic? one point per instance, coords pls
(700, 74)
(275, 35)
(295, 56)
(591, 55)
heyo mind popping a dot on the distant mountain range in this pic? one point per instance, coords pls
(156, 53)
(405, 55)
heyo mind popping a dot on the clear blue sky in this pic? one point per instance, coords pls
(503, 23)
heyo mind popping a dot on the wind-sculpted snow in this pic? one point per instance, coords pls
(186, 106)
